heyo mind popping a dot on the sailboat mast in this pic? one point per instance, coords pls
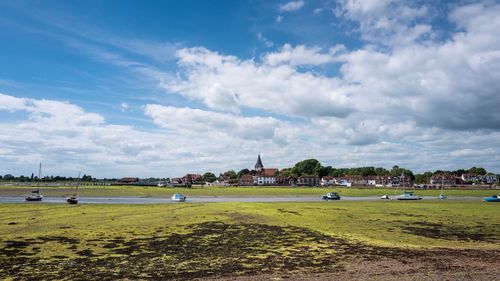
(442, 184)
(78, 183)
(39, 176)
(403, 179)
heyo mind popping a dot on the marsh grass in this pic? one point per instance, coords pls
(192, 240)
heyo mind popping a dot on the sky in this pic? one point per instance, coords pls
(164, 88)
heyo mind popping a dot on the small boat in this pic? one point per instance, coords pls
(408, 195)
(385, 197)
(178, 197)
(441, 195)
(73, 199)
(36, 195)
(331, 196)
(492, 198)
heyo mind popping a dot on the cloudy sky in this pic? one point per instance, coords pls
(163, 88)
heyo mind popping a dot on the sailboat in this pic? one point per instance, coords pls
(73, 199)
(441, 195)
(407, 195)
(36, 195)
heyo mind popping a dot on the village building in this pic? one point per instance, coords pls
(264, 176)
(327, 181)
(192, 179)
(443, 179)
(308, 181)
(265, 180)
(475, 178)
(247, 180)
(129, 180)
(378, 181)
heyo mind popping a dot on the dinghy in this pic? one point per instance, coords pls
(36, 195)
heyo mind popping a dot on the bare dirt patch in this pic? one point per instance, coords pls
(217, 250)
(448, 232)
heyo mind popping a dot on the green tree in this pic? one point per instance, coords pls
(477, 170)
(379, 171)
(424, 178)
(231, 174)
(243, 172)
(310, 167)
(397, 171)
(209, 177)
(324, 171)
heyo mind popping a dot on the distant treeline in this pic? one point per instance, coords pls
(9, 177)
(84, 178)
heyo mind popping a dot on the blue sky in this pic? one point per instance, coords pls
(163, 88)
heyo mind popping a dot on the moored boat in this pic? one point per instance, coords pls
(73, 199)
(408, 195)
(331, 196)
(36, 195)
(441, 195)
(178, 197)
(492, 198)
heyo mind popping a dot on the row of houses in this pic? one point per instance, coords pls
(262, 180)
(376, 181)
(271, 177)
(450, 179)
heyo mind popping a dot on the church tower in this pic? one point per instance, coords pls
(258, 166)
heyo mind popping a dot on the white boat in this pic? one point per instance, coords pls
(36, 195)
(385, 197)
(178, 197)
(441, 195)
(408, 195)
(331, 196)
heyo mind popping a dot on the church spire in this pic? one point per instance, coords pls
(258, 166)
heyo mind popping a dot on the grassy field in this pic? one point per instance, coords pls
(151, 191)
(185, 241)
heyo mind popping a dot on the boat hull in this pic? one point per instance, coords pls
(34, 198)
(72, 200)
(491, 199)
(409, 198)
(330, 198)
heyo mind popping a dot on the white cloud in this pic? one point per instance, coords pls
(227, 83)
(11, 103)
(124, 106)
(403, 98)
(292, 6)
(193, 122)
(302, 55)
(386, 22)
(430, 96)
(451, 84)
(194, 140)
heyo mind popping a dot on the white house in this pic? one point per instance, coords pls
(264, 180)
(327, 181)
